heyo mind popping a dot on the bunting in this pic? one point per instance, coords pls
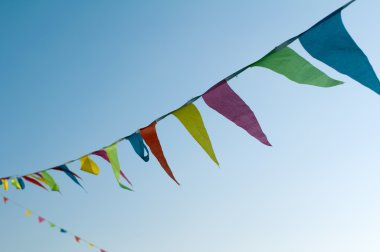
(192, 120)
(89, 166)
(328, 41)
(150, 136)
(41, 220)
(138, 145)
(287, 62)
(114, 160)
(225, 101)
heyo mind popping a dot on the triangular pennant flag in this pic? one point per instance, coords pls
(192, 120)
(287, 62)
(329, 42)
(28, 212)
(21, 183)
(225, 101)
(34, 181)
(89, 166)
(48, 179)
(90, 245)
(138, 145)
(114, 160)
(149, 135)
(5, 199)
(15, 183)
(63, 230)
(52, 225)
(5, 184)
(77, 238)
(125, 177)
(40, 219)
(102, 154)
(69, 173)
(102, 250)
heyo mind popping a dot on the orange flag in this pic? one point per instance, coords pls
(149, 135)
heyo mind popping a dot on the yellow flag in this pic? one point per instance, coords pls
(90, 245)
(89, 166)
(190, 117)
(28, 212)
(15, 183)
(5, 184)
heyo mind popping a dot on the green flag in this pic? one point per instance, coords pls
(287, 62)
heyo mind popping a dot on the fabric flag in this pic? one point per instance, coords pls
(49, 181)
(329, 42)
(102, 154)
(114, 160)
(102, 250)
(287, 62)
(52, 225)
(63, 230)
(28, 212)
(5, 184)
(34, 181)
(40, 219)
(149, 135)
(21, 183)
(138, 145)
(89, 166)
(15, 183)
(225, 101)
(69, 173)
(90, 245)
(192, 120)
(77, 238)
(5, 199)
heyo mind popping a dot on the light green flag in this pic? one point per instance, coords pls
(114, 160)
(50, 181)
(192, 120)
(287, 62)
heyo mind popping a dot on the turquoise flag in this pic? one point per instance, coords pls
(329, 42)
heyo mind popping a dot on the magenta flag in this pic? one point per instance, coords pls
(225, 101)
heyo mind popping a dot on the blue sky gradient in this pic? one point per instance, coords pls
(77, 75)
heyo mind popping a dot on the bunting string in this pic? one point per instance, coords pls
(327, 41)
(40, 219)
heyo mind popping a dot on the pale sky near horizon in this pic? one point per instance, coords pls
(76, 75)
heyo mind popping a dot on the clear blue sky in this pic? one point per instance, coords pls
(76, 75)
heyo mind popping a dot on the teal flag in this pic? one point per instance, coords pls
(287, 62)
(329, 42)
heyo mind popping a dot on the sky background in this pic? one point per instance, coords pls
(77, 75)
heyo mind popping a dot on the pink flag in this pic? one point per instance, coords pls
(40, 219)
(5, 199)
(102, 153)
(225, 101)
(102, 250)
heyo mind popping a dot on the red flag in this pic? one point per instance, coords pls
(5, 199)
(102, 250)
(150, 136)
(40, 219)
(33, 181)
(77, 238)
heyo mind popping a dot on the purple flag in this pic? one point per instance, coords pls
(224, 100)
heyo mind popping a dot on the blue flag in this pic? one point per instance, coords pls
(329, 42)
(138, 145)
